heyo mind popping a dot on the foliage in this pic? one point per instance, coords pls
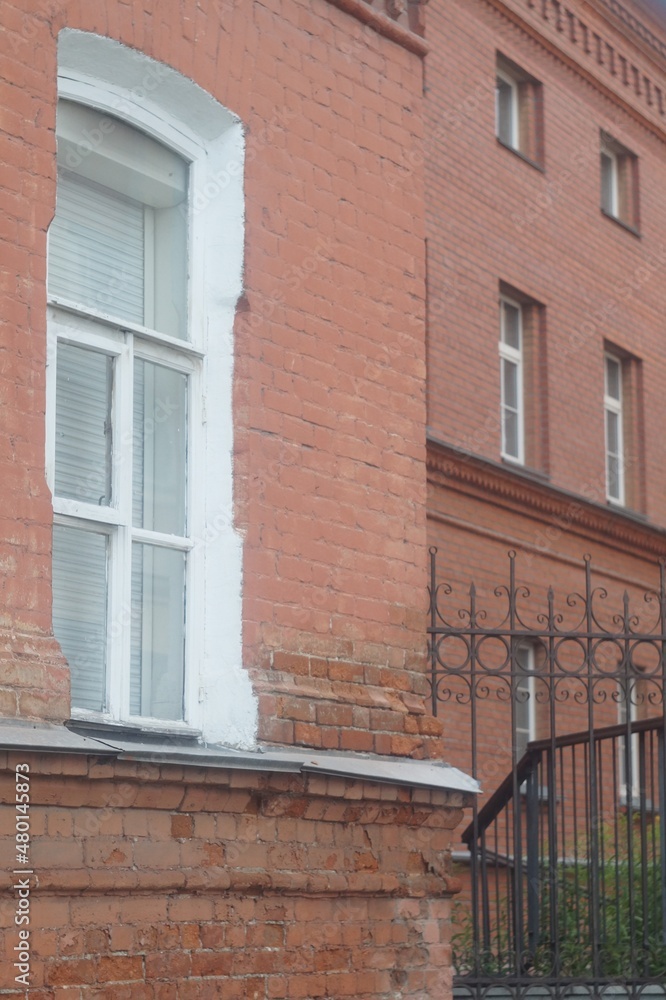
(629, 941)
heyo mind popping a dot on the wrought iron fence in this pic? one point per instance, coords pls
(558, 710)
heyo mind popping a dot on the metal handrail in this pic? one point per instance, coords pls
(503, 794)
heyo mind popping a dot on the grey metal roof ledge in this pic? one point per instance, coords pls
(160, 749)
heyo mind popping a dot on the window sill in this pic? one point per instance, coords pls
(543, 795)
(623, 804)
(101, 727)
(620, 222)
(521, 156)
(621, 508)
(525, 470)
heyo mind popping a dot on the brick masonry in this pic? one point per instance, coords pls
(180, 883)
(329, 393)
(169, 883)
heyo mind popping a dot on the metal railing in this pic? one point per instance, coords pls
(559, 714)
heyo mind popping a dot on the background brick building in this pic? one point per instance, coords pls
(521, 229)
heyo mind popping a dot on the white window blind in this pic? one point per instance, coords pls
(97, 249)
(83, 425)
(80, 610)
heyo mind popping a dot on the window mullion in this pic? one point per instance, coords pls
(196, 518)
(120, 607)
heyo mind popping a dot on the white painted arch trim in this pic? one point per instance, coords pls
(157, 99)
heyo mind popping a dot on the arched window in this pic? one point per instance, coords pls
(145, 257)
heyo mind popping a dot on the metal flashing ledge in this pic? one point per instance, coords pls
(43, 737)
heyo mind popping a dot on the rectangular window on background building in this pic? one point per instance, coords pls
(619, 182)
(519, 110)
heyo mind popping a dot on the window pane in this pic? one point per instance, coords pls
(511, 325)
(612, 378)
(523, 707)
(608, 184)
(160, 448)
(510, 384)
(612, 432)
(613, 464)
(79, 611)
(118, 242)
(158, 632)
(83, 425)
(510, 433)
(505, 111)
(96, 249)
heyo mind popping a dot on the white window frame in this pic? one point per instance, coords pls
(512, 356)
(629, 703)
(612, 209)
(514, 140)
(111, 78)
(525, 681)
(614, 405)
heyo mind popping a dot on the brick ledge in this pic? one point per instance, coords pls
(383, 25)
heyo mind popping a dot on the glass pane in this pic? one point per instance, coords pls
(505, 111)
(160, 449)
(613, 468)
(612, 378)
(511, 325)
(510, 433)
(79, 611)
(612, 432)
(96, 249)
(510, 384)
(118, 242)
(608, 184)
(83, 425)
(523, 708)
(158, 632)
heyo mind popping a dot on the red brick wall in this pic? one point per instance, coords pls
(329, 388)
(172, 883)
(476, 518)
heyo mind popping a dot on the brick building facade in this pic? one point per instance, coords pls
(545, 209)
(226, 383)
(355, 196)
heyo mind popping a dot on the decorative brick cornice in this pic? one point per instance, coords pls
(629, 20)
(514, 488)
(602, 52)
(400, 20)
(597, 57)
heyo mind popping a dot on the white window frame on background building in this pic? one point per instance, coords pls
(511, 359)
(614, 416)
(123, 88)
(507, 131)
(524, 701)
(610, 181)
(628, 714)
